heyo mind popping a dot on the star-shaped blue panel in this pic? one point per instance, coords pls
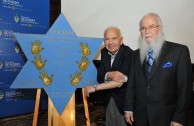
(59, 62)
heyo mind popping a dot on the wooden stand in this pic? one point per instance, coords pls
(36, 108)
(67, 118)
(86, 108)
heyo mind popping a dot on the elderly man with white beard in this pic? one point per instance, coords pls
(159, 89)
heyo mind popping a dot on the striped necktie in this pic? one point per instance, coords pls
(150, 61)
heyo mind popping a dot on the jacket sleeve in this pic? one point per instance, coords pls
(184, 86)
(101, 71)
(129, 95)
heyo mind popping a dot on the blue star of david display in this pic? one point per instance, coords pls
(60, 62)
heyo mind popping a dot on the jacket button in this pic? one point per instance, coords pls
(148, 87)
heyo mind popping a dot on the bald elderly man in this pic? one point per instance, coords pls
(113, 74)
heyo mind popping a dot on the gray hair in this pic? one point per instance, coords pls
(151, 14)
(113, 27)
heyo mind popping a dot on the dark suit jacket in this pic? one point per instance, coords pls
(121, 63)
(166, 96)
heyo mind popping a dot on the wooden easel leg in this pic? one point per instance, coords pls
(86, 108)
(36, 109)
(50, 112)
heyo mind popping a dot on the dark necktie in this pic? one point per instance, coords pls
(150, 61)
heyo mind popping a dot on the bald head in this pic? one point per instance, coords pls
(112, 28)
(112, 39)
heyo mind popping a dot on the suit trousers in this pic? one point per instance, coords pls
(113, 116)
(147, 124)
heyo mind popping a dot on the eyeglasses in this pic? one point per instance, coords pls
(150, 28)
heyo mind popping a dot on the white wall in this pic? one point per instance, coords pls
(89, 18)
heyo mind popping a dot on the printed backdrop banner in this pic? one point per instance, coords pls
(18, 16)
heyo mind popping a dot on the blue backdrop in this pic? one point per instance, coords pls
(31, 16)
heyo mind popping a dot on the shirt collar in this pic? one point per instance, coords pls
(113, 55)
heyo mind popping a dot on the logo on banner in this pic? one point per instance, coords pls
(12, 95)
(13, 7)
(12, 66)
(17, 48)
(1, 64)
(11, 4)
(16, 18)
(1, 32)
(8, 33)
(28, 20)
(1, 95)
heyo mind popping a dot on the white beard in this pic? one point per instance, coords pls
(156, 45)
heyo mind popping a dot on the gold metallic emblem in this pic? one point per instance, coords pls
(84, 63)
(36, 47)
(76, 79)
(45, 78)
(84, 49)
(38, 62)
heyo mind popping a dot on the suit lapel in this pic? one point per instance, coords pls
(107, 61)
(143, 65)
(144, 69)
(157, 64)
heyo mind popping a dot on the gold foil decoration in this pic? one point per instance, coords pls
(76, 79)
(36, 47)
(84, 49)
(83, 64)
(38, 62)
(45, 78)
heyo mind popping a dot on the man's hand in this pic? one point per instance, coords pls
(129, 117)
(88, 90)
(175, 124)
(120, 79)
(113, 74)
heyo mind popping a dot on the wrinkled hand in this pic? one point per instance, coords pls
(129, 117)
(45, 78)
(84, 63)
(38, 62)
(88, 90)
(84, 49)
(175, 124)
(76, 79)
(36, 47)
